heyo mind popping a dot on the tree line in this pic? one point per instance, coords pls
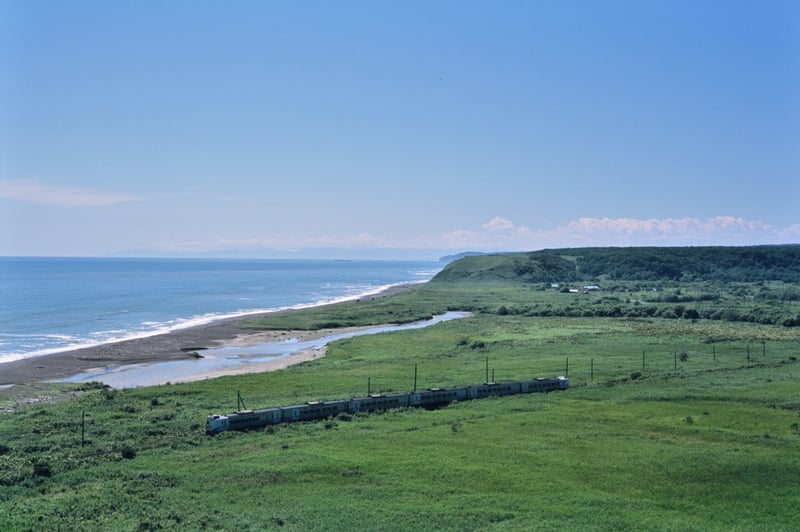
(707, 263)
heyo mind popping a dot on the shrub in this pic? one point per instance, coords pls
(691, 314)
(128, 452)
(42, 469)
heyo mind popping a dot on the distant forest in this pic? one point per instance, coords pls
(655, 264)
(758, 284)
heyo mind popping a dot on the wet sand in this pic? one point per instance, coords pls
(174, 346)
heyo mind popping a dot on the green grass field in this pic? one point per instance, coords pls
(670, 424)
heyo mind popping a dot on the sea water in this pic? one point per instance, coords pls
(49, 305)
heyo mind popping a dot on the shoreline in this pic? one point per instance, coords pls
(177, 345)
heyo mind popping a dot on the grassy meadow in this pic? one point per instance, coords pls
(670, 423)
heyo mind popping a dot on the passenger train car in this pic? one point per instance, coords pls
(430, 398)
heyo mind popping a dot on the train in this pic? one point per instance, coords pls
(430, 398)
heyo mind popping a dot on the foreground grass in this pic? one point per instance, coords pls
(711, 442)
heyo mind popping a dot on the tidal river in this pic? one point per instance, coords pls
(231, 360)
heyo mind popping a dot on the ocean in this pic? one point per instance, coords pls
(49, 305)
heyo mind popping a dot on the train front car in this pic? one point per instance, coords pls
(242, 420)
(216, 423)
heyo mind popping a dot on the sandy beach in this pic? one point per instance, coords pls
(180, 345)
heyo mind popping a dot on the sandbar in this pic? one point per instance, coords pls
(177, 345)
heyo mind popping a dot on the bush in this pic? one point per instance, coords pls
(42, 469)
(128, 453)
(691, 314)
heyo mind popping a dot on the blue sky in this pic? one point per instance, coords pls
(395, 129)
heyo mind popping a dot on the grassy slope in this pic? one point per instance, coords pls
(714, 444)
(725, 264)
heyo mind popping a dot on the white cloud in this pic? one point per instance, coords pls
(503, 234)
(359, 241)
(499, 224)
(675, 230)
(791, 233)
(29, 191)
(458, 239)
